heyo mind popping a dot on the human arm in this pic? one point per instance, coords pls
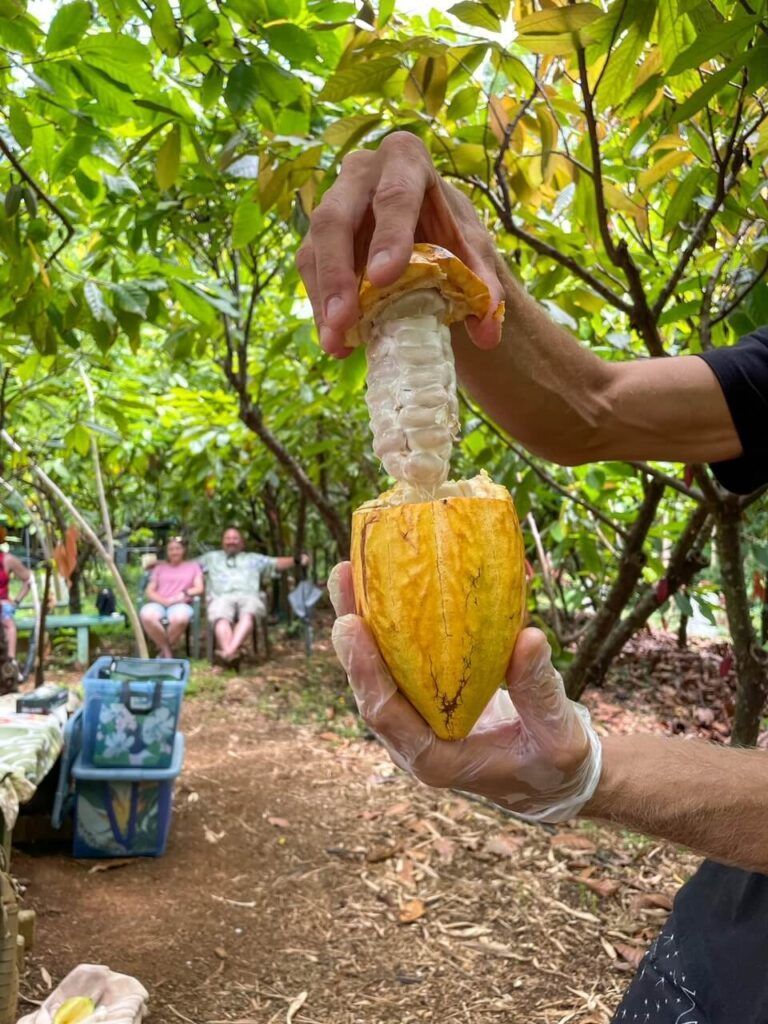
(22, 573)
(544, 762)
(717, 805)
(534, 378)
(198, 587)
(151, 592)
(285, 562)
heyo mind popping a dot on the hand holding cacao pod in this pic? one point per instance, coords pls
(532, 751)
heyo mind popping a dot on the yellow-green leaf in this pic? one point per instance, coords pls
(165, 32)
(169, 159)
(662, 167)
(556, 20)
(361, 79)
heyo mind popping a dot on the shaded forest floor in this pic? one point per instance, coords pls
(308, 881)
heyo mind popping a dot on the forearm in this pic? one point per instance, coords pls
(565, 404)
(711, 799)
(285, 562)
(23, 590)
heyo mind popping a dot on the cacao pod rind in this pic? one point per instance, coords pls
(441, 584)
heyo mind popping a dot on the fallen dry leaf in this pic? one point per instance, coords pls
(632, 954)
(395, 810)
(573, 841)
(47, 979)
(651, 901)
(609, 949)
(211, 836)
(445, 849)
(604, 887)
(504, 846)
(412, 911)
(377, 854)
(279, 822)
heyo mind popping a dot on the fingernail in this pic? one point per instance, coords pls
(342, 636)
(334, 307)
(334, 588)
(380, 261)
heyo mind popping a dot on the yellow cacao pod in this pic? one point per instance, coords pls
(74, 1010)
(442, 586)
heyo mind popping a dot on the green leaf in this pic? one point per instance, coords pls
(242, 87)
(683, 603)
(464, 102)
(363, 79)
(556, 20)
(164, 29)
(123, 58)
(681, 202)
(20, 126)
(212, 87)
(724, 37)
(169, 159)
(713, 85)
(294, 43)
(556, 31)
(98, 307)
(68, 26)
(478, 14)
(349, 130)
(246, 223)
(131, 297)
(78, 438)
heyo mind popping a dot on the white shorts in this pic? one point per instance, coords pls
(231, 606)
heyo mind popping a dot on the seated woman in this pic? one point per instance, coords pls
(172, 585)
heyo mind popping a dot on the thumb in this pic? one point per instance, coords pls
(535, 685)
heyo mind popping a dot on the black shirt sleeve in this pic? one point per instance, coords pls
(742, 371)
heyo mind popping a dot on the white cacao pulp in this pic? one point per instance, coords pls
(411, 394)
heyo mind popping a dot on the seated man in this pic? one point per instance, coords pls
(172, 585)
(10, 566)
(233, 589)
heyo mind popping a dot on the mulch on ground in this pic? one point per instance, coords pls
(309, 881)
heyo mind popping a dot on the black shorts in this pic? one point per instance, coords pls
(663, 991)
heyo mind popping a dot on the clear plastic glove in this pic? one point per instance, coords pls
(533, 751)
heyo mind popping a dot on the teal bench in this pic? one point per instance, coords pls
(82, 624)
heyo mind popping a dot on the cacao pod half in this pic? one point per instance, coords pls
(442, 586)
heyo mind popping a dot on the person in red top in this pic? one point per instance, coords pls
(11, 567)
(171, 587)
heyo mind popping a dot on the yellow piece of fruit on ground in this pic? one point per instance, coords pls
(74, 1010)
(442, 586)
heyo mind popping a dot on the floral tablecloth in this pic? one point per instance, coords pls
(29, 746)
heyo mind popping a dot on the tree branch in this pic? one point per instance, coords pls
(545, 249)
(43, 196)
(670, 481)
(727, 310)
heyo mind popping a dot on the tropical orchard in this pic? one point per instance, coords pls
(159, 163)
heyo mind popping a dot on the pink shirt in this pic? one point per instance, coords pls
(169, 580)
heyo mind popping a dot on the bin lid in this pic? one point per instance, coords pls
(133, 773)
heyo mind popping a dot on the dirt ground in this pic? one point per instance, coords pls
(308, 881)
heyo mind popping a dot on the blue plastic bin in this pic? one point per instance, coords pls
(132, 710)
(124, 812)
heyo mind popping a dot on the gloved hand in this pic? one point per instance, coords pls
(533, 751)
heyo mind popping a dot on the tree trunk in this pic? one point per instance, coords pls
(620, 594)
(686, 560)
(253, 419)
(40, 669)
(764, 612)
(751, 659)
(682, 632)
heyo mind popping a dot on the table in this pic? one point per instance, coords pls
(29, 748)
(81, 623)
